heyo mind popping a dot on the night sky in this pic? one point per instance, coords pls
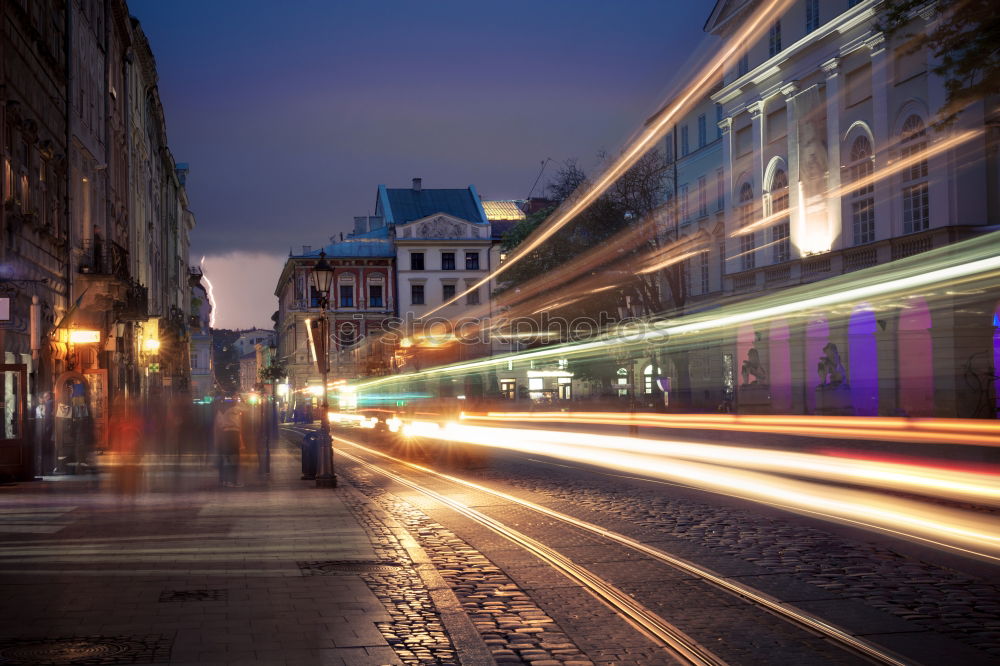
(291, 114)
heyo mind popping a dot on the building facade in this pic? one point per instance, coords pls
(91, 200)
(361, 305)
(816, 156)
(202, 363)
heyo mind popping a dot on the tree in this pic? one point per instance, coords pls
(603, 245)
(965, 41)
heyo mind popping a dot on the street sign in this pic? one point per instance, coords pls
(154, 367)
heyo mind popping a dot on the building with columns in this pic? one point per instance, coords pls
(816, 156)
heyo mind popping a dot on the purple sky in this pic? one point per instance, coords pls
(290, 114)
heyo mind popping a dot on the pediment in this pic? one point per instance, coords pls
(723, 13)
(441, 226)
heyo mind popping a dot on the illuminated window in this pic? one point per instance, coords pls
(916, 211)
(416, 261)
(748, 241)
(508, 388)
(447, 261)
(861, 167)
(649, 381)
(781, 245)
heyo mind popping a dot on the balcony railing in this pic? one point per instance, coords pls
(104, 258)
(855, 260)
(136, 304)
(910, 246)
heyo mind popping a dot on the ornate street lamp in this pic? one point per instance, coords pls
(322, 276)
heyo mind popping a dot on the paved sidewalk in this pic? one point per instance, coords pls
(159, 564)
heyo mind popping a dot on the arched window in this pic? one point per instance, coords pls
(621, 380)
(649, 380)
(916, 211)
(861, 167)
(748, 241)
(780, 244)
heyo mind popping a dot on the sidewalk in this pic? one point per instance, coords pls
(160, 564)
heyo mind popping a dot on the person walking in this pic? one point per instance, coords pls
(229, 442)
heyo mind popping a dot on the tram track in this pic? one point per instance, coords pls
(673, 639)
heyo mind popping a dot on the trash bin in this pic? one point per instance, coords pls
(310, 449)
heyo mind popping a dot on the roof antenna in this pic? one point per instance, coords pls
(540, 172)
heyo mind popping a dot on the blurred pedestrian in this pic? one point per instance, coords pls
(229, 442)
(44, 431)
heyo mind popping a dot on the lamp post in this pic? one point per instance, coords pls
(322, 276)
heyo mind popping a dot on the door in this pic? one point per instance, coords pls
(15, 461)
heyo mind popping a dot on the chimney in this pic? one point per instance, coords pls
(416, 184)
(360, 224)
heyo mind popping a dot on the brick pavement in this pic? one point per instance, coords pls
(159, 564)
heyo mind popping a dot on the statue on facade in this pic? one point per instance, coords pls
(753, 366)
(830, 369)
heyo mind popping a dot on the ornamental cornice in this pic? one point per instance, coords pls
(876, 43)
(756, 109)
(838, 27)
(790, 89)
(831, 67)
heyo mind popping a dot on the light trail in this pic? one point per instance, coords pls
(782, 609)
(932, 481)
(749, 30)
(963, 531)
(958, 264)
(898, 429)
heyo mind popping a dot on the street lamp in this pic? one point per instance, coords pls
(322, 276)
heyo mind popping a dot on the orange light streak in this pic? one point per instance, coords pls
(966, 531)
(748, 32)
(924, 431)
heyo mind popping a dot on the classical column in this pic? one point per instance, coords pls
(943, 186)
(833, 105)
(756, 110)
(796, 226)
(880, 127)
(726, 125)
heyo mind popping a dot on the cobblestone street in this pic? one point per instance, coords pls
(157, 563)
(186, 572)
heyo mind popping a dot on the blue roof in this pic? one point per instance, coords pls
(399, 206)
(371, 244)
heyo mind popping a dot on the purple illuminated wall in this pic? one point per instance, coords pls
(781, 368)
(916, 360)
(862, 359)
